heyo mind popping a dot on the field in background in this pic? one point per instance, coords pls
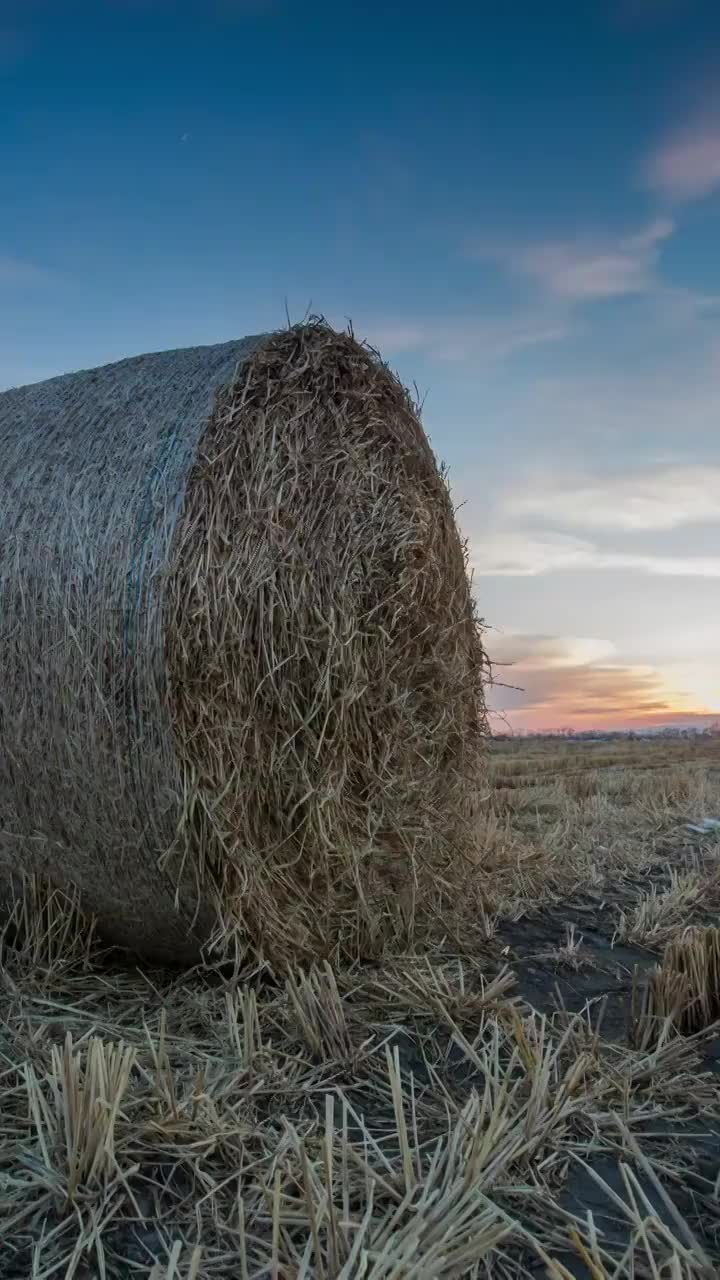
(561, 814)
(537, 1097)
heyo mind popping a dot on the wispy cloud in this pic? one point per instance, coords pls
(15, 272)
(567, 273)
(656, 499)
(539, 652)
(669, 408)
(462, 338)
(511, 554)
(686, 165)
(516, 554)
(585, 269)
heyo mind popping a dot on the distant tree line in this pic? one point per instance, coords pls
(610, 735)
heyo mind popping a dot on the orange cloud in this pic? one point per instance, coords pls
(556, 681)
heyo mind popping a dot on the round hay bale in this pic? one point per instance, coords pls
(242, 677)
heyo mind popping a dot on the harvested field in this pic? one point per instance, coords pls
(537, 1095)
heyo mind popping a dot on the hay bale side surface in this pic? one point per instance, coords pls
(241, 673)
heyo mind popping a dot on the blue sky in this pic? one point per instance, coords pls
(520, 205)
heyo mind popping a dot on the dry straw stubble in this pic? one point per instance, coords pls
(242, 674)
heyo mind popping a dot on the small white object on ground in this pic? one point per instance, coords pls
(705, 826)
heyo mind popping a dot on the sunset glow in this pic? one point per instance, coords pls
(520, 208)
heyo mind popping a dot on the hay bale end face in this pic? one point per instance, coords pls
(242, 678)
